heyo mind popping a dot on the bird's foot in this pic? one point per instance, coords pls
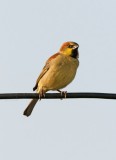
(62, 93)
(41, 94)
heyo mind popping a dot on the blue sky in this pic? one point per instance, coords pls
(30, 32)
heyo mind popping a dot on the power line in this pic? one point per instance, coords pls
(58, 95)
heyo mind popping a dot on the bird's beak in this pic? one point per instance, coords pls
(75, 47)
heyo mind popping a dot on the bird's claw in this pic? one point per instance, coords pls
(62, 93)
(41, 94)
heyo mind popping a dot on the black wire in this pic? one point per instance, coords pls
(58, 95)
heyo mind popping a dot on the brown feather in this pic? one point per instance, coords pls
(29, 109)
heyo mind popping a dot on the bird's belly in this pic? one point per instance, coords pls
(58, 77)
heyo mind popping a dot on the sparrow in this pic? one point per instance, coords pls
(59, 70)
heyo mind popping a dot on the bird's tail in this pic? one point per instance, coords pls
(29, 109)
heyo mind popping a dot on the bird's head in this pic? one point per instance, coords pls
(70, 49)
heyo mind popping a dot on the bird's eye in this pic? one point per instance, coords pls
(70, 46)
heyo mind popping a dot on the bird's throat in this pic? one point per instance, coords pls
(75, 53)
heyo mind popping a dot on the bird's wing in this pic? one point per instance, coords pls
(45, 69)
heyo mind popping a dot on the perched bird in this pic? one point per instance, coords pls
(59, 70)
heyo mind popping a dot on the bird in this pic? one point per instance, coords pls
(59, 71)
